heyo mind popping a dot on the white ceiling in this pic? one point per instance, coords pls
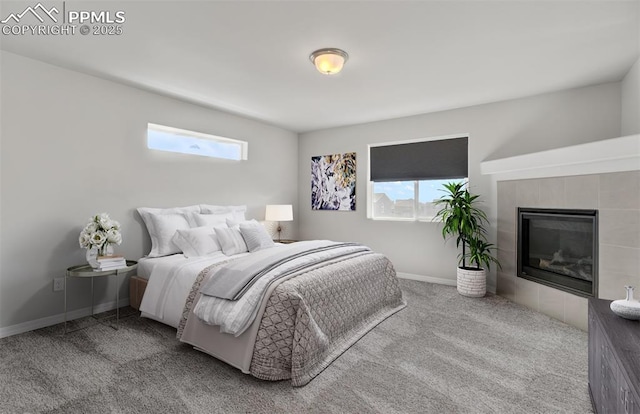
(406, 58)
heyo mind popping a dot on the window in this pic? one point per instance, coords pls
(407, 200)
(164, 138)
(406, 177)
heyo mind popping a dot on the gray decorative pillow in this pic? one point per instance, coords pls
(231, 241)
(256, 236)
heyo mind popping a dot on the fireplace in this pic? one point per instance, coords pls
(559, 248)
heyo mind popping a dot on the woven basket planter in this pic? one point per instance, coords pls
(471, 282)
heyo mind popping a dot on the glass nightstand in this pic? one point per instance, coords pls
(86, 271)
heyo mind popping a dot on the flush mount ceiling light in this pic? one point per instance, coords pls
(329, 61)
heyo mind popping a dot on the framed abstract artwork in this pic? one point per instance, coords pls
(333, 182)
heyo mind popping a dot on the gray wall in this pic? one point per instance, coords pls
(495, 130)
(74, 145)
(631, 101)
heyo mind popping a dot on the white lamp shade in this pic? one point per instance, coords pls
(279, 212)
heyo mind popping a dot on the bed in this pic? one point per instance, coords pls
(279, 312)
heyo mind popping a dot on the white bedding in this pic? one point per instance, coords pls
(170, 281)
(235, 316)
(146, 264)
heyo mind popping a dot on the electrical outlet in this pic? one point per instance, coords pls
(58, 284)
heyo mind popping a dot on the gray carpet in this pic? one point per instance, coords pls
(443, 354)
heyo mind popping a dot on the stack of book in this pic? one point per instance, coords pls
(110, 263)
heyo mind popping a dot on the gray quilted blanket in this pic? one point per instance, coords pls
(311, 319)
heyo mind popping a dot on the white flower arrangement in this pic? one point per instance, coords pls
(100, 232)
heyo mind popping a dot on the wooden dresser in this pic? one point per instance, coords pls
(614, 361)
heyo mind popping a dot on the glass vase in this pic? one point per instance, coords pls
(106, 250)
(93, 253)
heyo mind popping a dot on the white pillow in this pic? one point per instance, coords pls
(255, 236)
(231, 241)
(165, 227)
(212, 220)
(237, 211)
(146, 212)
(198, 241)
(236, 223)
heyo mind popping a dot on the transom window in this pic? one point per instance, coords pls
(405, 178)
(183, 141)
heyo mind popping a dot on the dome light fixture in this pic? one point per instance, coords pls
(329, 61)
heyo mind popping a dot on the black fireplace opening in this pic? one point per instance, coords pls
(559, 248)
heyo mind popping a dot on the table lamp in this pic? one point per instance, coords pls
(278, 213)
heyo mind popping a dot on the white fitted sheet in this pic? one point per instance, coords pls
(146, 264)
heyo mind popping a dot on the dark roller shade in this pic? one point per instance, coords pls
(427, 160)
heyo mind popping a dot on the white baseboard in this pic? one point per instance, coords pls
(437, 280)
(56, 319)
(429, 279)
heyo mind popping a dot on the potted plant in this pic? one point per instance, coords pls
(461, 218)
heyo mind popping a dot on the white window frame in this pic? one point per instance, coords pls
(416, 198)
(244, 146)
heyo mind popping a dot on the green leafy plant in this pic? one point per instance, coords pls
(480, 252)
(463, 219)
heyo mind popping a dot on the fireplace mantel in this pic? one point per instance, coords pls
(610, 155)
(602, 175)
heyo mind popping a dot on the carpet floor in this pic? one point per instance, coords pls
(444, 353)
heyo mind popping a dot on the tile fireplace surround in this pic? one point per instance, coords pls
(616, 196)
